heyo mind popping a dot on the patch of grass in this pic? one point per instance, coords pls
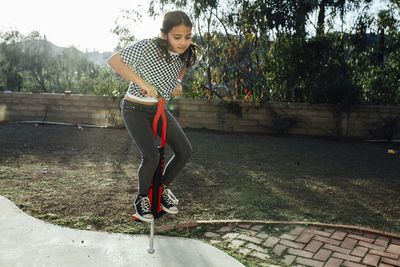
(118, 220)
(61, 222)
(97, 221)
(36, 211)
(47, 216)
(52, 216)
(79, 226)
(128, 229)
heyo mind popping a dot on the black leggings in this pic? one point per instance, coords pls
(138, 120)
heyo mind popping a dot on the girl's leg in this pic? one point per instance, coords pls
(181, 147)
(139, 125)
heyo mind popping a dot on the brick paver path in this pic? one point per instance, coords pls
(308, 246)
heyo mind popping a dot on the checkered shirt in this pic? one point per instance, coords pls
(144, 59)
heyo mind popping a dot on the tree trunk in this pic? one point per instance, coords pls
(300, 21)
(40, 79)
(321, 18)
(381, 47)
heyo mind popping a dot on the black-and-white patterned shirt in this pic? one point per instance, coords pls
(143, 58)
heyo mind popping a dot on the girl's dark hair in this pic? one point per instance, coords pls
(172, 19)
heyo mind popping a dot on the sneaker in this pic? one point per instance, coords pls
(169, 202)
(142, 206)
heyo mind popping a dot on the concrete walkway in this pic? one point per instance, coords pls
(27, 241)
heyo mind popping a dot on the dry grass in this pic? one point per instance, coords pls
(91, 181)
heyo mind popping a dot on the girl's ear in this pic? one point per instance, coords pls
(164, 36)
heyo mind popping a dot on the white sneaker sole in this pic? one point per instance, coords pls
(143, 218)
(168, 210)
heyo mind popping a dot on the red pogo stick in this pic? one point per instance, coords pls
(156, 185)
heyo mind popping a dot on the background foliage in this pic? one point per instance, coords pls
(254, 50)
(295, 51)
(33, 64)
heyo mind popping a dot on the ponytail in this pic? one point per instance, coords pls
(191, 55)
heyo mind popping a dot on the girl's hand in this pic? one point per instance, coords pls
(119, 66)
(178, 90)
(149, 90)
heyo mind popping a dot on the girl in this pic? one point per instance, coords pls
(156, 68)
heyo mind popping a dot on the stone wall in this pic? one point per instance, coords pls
(296, 118)
(80, 109)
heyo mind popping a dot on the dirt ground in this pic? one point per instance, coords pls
(86, 178)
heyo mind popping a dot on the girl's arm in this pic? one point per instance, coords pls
(178, 89)
(116, 62)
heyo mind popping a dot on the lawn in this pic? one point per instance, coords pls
(86, 178)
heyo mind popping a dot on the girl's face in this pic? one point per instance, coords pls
(179, 38)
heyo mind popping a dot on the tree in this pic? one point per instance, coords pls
(37, 56)
(10, 59)
(70, 67)
(255, 49)
(380, 77)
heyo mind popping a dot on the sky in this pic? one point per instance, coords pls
(85, 24)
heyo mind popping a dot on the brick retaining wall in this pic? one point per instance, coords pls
(314, 120)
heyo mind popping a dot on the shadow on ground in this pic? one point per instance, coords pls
(86, 179)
